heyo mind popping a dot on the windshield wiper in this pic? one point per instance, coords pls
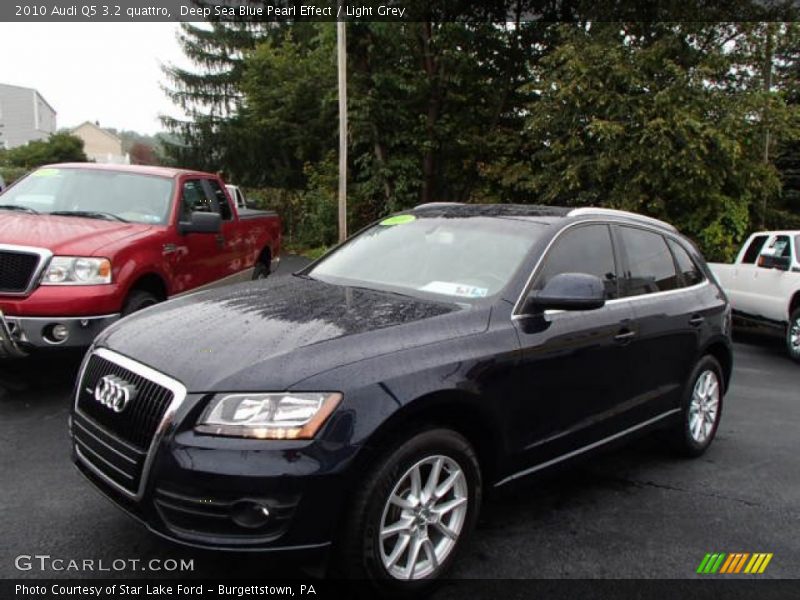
(89, 214)
(15, 207)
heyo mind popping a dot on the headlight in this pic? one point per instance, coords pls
(77, 270)
(284, 416)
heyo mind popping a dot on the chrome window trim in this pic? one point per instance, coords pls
(516, 311)
(44, 259)
(583, 449)
(178, 396)
(613, 212)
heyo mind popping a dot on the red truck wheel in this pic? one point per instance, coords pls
(261, 271)
(137, 300)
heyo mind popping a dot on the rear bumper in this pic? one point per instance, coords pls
(19, 334)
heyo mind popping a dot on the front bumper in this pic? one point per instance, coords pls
(197, 483)
(18, 335)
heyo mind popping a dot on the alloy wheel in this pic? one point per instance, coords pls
(704, 407)
(794, 337)
(423, 518)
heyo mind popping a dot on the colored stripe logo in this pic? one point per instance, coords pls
(734, 563)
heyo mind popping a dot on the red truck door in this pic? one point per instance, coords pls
(195, 256)
(233, 256)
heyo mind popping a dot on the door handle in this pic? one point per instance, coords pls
(220, 240)
(624, 336)
(696, 320)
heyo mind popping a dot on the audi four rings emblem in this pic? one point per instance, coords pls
(114, 392)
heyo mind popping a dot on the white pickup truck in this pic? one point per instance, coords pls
(763, 284)
(237, 195)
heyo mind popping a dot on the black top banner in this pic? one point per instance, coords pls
(466, 11)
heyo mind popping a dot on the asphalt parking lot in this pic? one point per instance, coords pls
(636, 512)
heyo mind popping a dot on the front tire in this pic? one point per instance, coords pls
(410, 519)
(701, 409)
(137, 300)
(793, 336)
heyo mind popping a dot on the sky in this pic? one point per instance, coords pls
(106, 72)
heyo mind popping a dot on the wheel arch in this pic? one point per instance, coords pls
(265, 256)
(451, 409)
(150, 282)
(794, 303)
(721, 351)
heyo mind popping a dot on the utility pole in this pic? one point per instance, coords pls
(341, 56)
(769, 50)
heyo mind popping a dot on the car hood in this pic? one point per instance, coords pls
(63, 235)
(273, 334)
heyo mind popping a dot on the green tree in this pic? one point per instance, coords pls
(650, 118)
(59, 147)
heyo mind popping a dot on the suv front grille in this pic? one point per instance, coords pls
(137, 423)
(17, 269)
(118, 445)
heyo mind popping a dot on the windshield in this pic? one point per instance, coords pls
(112, 194)
(462, 258)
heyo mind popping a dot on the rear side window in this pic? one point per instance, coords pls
(584, 249)
(687, 268)
(780, 247)
(221, 198)
(754, 249)
(797, 247)
(650, 266)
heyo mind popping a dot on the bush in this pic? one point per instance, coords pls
(11, 174)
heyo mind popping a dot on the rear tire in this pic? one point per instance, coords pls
(411, 516)
(137, 300)
(793, 336)
(261, 270)
(701, 409)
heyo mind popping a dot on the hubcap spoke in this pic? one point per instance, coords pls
(433, 479)
(416, 483)
(445, 530)
(402, 502)
(431, 552)
(399, 548)
(447, 484)
(413, 556)
(395, 528)
(446, 507)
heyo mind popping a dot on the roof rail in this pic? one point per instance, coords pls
(612, 212)
(437, 204)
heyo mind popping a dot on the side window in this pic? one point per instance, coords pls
(650, 265)
(797, 248)
(585, 249)
(194, 199)
(221, 199)
(780, 247)
(754, 249)
(691, 274)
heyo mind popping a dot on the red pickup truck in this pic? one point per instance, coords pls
(83, 244)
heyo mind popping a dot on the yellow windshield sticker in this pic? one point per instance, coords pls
(398, 220)
(46, 173)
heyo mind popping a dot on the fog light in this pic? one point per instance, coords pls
(250, 514)
(60, 332)
(56, 333)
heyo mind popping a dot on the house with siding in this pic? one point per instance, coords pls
(100, 145)
(25, 116)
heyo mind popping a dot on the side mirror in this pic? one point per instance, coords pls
(201, 222)
(568, 291)
(782, 263)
